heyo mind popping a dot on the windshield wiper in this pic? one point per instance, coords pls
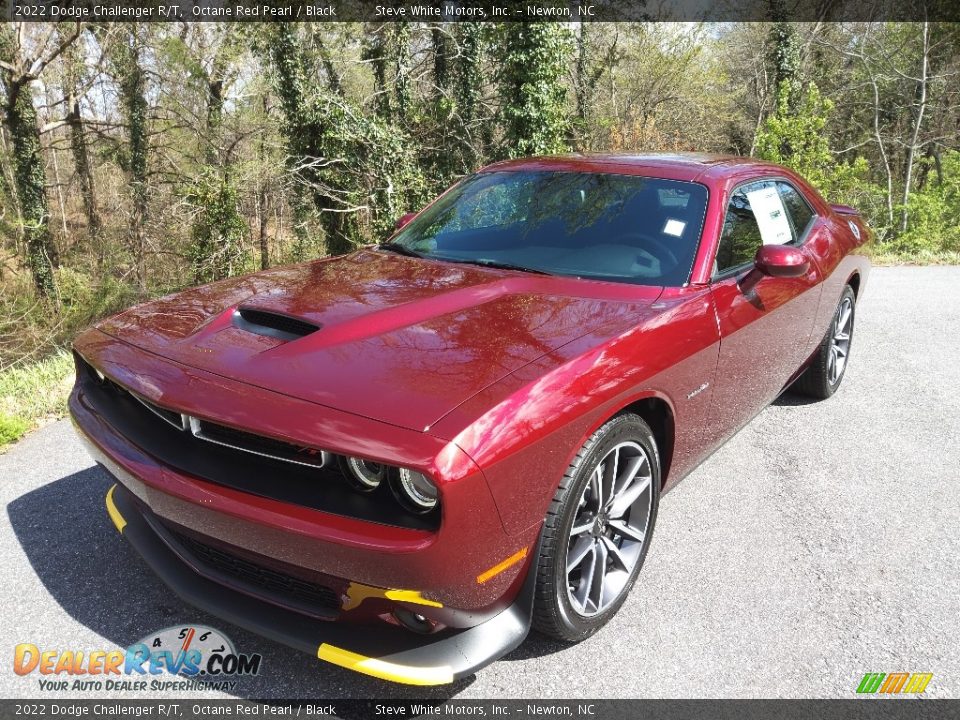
(498, 265)
(399, 249)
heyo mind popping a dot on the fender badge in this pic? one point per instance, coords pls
(699, 390)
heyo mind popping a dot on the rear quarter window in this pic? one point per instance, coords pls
(799, 210)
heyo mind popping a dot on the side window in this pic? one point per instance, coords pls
(741, 236)
(797, 207)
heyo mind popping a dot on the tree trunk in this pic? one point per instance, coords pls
(441, 60)
(582, 87)
(263, 208)
(132, 83)
(375, 53)
(467, 88)
(918, 123)
(30, 177)
(400, 50)
(84, 174)
(263, 238)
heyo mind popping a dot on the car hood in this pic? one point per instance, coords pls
(400, 340)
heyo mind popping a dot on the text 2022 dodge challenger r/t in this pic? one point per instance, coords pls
(401, 459)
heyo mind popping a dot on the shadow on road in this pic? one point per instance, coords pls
(792, 399)
(101, 582)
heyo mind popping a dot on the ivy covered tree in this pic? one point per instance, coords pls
(131, 78)
(784, 55)
(19, 68)
(533, 69)
(470, 140)
(217, 228)
(357, 168)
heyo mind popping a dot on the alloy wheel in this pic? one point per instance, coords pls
(609, 529)
(840, 343)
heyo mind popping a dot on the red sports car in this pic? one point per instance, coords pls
(402, 458)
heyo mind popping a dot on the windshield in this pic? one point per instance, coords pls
(622, 228)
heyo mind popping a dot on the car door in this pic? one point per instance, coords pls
(765, 322)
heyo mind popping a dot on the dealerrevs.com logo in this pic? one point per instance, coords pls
(202, 658)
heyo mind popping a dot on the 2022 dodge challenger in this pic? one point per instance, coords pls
(402, 458)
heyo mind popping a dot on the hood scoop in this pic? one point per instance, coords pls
(272, 324)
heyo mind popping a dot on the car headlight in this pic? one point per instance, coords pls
(415, 491)
(363, 474)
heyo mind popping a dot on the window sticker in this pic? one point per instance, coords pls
(670, 197)
(767, 206)
(674, 227)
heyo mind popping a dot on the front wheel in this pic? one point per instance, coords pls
(825, 373)
(597, 530)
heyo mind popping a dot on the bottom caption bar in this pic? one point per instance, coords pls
(866, 708)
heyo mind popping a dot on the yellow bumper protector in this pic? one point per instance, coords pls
(113, 512)
(358, 592)
(439, 675)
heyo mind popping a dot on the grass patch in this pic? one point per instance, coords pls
(880, 254)
(33, 393)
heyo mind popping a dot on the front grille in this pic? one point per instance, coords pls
(288, 589)
(257, 444)
(174, 418)
(263, 322)
(241, 460)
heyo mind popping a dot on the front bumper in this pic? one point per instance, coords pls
(382, 651)
(470, 576)
(200, 491)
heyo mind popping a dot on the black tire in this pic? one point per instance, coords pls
(553, 613)
(816, 380)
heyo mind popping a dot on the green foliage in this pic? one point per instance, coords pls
(218, 227)
(785, 56)
(132, 81)
(12, 427)
(934, 212)
(84, 299)
(32, 392)
(533, 67)
(359, 170)
(29, 174)
(30, 177)
(798, 139)
(468, 72)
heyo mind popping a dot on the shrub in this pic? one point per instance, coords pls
(933, 212)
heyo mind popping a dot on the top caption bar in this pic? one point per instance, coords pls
(432, 11)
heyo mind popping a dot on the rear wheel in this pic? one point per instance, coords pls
(825, 373)
(598, 529)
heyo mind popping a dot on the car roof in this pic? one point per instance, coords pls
(687, 166)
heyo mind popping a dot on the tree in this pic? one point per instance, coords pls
(534, 95)
(131, 78)
(79, 147)
(358, 169)
(20, 68)
(468, 81)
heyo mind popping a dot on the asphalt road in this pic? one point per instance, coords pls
(821, 543)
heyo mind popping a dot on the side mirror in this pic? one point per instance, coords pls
(781, 261)
(404, 219)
